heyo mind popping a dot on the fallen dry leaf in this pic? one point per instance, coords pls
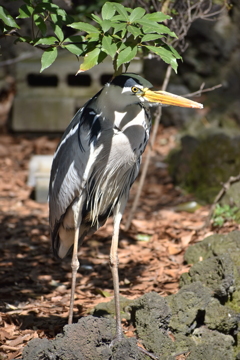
(186, 239)
(174, 249)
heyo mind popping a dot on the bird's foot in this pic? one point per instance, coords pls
(118, 337)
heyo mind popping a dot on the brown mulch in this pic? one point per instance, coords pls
(35, 288)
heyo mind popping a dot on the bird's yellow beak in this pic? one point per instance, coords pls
(165, 98)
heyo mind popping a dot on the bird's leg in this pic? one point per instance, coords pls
(75, 266)
(114, 270)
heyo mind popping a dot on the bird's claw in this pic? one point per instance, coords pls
(117, 338)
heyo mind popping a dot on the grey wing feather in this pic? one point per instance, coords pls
(69, 163)
(67, 172)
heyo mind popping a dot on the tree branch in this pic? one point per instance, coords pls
(201, 90)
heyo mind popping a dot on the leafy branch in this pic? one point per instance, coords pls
(119, 32)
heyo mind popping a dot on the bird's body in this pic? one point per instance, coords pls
(102, 162)
(95, 165)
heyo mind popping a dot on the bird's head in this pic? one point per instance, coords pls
(131, 88)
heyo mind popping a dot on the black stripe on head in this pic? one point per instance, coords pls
(129, 80)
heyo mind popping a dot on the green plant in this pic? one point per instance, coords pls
(223, 213)
(120, 33)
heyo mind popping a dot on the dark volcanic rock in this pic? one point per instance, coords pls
(206, 344)
(205, 159)
(188, 307)
(200, 321)
(217, 273)
(221, 318)
(89, 339)
(215, 245)
(151, 315)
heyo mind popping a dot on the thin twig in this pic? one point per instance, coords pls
(201, 90)
(21, 57)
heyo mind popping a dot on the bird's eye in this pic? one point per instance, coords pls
(135, 89)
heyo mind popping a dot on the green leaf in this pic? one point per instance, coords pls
(49, 40)
(136, 14)
(107, 11)
(52, 8)
(84, 27)
(143, 237)
(121, 10)
(96, 19)
(102, 56)
(75, 45)
(7, 18)
(121, 46)
(166, 55)
(174, 51)
(124, 32)
(106, 25)
(25, 11)
(40, 23)
(93, 37)
(25, 39)
(134, 30)
(157, 16)
(74, 39)
(118, 18)
(126, 55)
(165, 30)
(61, 12)
(150, 37)
(118, 27)
(151, 27)
(109, 47)
(58, 31)
(48, 57)
(218, 221)
(223, 213)
(56, 19)
(69, 20)
(74, 49)
(90, 60)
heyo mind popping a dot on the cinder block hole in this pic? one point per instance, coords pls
(79, 80)
(36, 80)
(105, 78)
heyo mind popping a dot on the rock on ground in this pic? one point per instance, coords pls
(192, 167)
(89, 339)
(199, 322)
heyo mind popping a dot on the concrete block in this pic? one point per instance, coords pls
(47, 102)
(42, 114)
(39, 176)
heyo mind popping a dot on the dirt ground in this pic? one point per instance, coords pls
(35, 288)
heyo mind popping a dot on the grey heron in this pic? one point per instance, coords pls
(96, 163)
